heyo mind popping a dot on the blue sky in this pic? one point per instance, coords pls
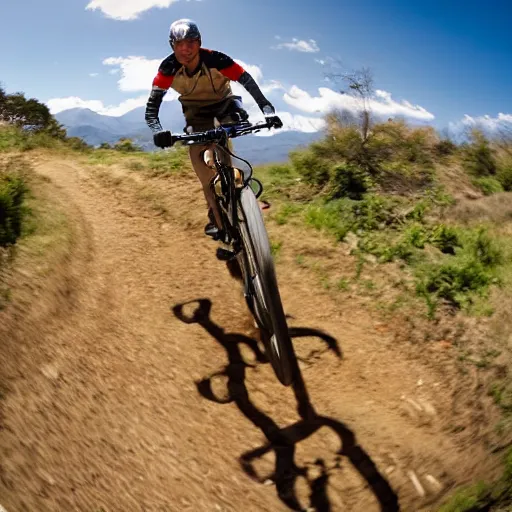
(437, 61)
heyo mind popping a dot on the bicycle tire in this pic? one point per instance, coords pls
(268, 310)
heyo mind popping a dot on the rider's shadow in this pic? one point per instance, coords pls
(282, 441)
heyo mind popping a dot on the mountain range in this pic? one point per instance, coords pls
(96, 128)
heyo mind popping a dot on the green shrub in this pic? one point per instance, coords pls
(164, 163)
(445, 238)
(279, 179)
(478, 157)
(456, 281)
(349, 181)
(78, 144)
(312, 168)
(402, 250)
(469, 499)
(333, 217)
(504, 176)
(468, 268)
(126, 146)
(342, 143)
(484, 249)
(445, 147)
(10, 138)
(488, 185)
(416, 235)
(12, 193)
(286, 211)
(374, 212)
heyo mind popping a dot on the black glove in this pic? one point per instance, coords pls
(239, 116)
(270, 116)
(163, 139)
(274, 121)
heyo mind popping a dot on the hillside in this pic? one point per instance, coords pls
(133, 377)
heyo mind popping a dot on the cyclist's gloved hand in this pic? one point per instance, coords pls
(274, 121)
(163, 139)
(270, 116)
(240, 116)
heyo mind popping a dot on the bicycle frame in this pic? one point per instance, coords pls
(230, 191)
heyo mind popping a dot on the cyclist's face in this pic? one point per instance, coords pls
(187, 50)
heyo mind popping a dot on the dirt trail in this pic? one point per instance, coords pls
(120, 398)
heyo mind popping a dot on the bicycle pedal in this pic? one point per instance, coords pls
(225, 254)
(215, 233)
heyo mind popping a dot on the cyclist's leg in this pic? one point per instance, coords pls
(205, 175)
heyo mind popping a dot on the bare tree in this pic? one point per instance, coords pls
(358, 84)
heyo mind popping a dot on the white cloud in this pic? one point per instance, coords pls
(321, 62)
(127, 9)
(382, 104)
(137, 73)
(93, 75)
(272, 85)
(299, 45)
(57, 105)
(490, 125)
(292, 122)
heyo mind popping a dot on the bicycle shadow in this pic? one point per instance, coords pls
(282, 441)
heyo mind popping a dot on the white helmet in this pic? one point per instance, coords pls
(183, 29)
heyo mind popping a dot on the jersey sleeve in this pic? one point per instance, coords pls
(223, 63)
(161, 83)
(166, 73)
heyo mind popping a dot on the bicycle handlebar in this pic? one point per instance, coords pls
(218, 134)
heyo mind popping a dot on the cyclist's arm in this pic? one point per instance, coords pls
(161, 83)
(234, 71)
(253, 89)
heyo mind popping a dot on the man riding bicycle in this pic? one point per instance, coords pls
(202, 78)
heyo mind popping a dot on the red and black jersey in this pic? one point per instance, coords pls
(207, 85)
(213, 60)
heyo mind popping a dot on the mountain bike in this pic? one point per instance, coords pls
(236, 193)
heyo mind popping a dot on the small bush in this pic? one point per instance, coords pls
(488, 185)
(374, 212)
(286, 211)
(329, 217)
(504, 176)
(312, 168)
(479, 159)
(279, 179)
(77, 144)
(126, 146)
(470, 499)
(445, 238)
(484, 249)
(349, 181)
(445, 147)
(12, 193)
(456, 281)
(417, 235)
(10, 138)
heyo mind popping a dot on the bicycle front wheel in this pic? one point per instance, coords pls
(263, 292)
